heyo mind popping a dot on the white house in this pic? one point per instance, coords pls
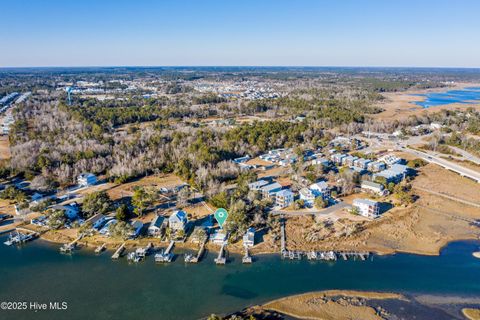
(284, 198)
(106, 228)
(320, 189)
(137, 228)
(249, 238)
(257, 185)
(178, 220)
(307, 196)
(70, 211)
(218, 237)
(86, 179)
(156, 226)
(97, 221)
(271, 189)
(374, 187)
(366, 207)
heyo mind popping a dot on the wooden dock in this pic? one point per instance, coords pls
(189, 258)
(101, 248)
(247, 258)
(220, 259)
(119, 251)
(283, 247)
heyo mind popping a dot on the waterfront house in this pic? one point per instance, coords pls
(86, 179)
(137, 228)
(97, 221)
(70, 210)
(366, 207)
(249, 238)
(283, 198)
(106, 228)
(178, 220)
(156, 227)
(218, 237)
(373, 187)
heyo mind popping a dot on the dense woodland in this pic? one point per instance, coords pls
(132, 136)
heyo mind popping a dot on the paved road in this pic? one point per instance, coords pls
(326, 211)
(467, 155)
(465, 172)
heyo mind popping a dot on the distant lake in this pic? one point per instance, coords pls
(95, 287)
(469, 95)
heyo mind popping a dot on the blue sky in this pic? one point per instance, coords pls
(440, 33)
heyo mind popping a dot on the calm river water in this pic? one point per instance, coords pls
(95, 287)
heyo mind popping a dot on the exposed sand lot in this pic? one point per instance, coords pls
(156, 181)
(332, 304)
(4, 148)
(471, 314)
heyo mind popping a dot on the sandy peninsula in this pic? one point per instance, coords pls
(400, 105)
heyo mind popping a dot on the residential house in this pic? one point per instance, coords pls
(376, 166)
(283, 198)
(137, 228)
(249, 238)
(321, 161)
(320, 189)
(349, 160)
(257, 185)
(70, 210)
(307, 196)
(367, 208)
(270, 189)
(178, 220)
(374, 187)
(218, 237)
(338, 157)
(390, 159)
(362, 163)
(97, 221)
(157, 226)
(106, 228)
(86, 179)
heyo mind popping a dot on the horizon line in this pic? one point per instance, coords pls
(238, 66)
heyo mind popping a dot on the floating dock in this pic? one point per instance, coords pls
(119, 251)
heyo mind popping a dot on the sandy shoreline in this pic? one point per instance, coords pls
(400, 105)
(351, 304)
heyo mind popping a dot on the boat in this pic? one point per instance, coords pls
(164, 256)
(133, 257)
(16, 238)
(67, 248)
